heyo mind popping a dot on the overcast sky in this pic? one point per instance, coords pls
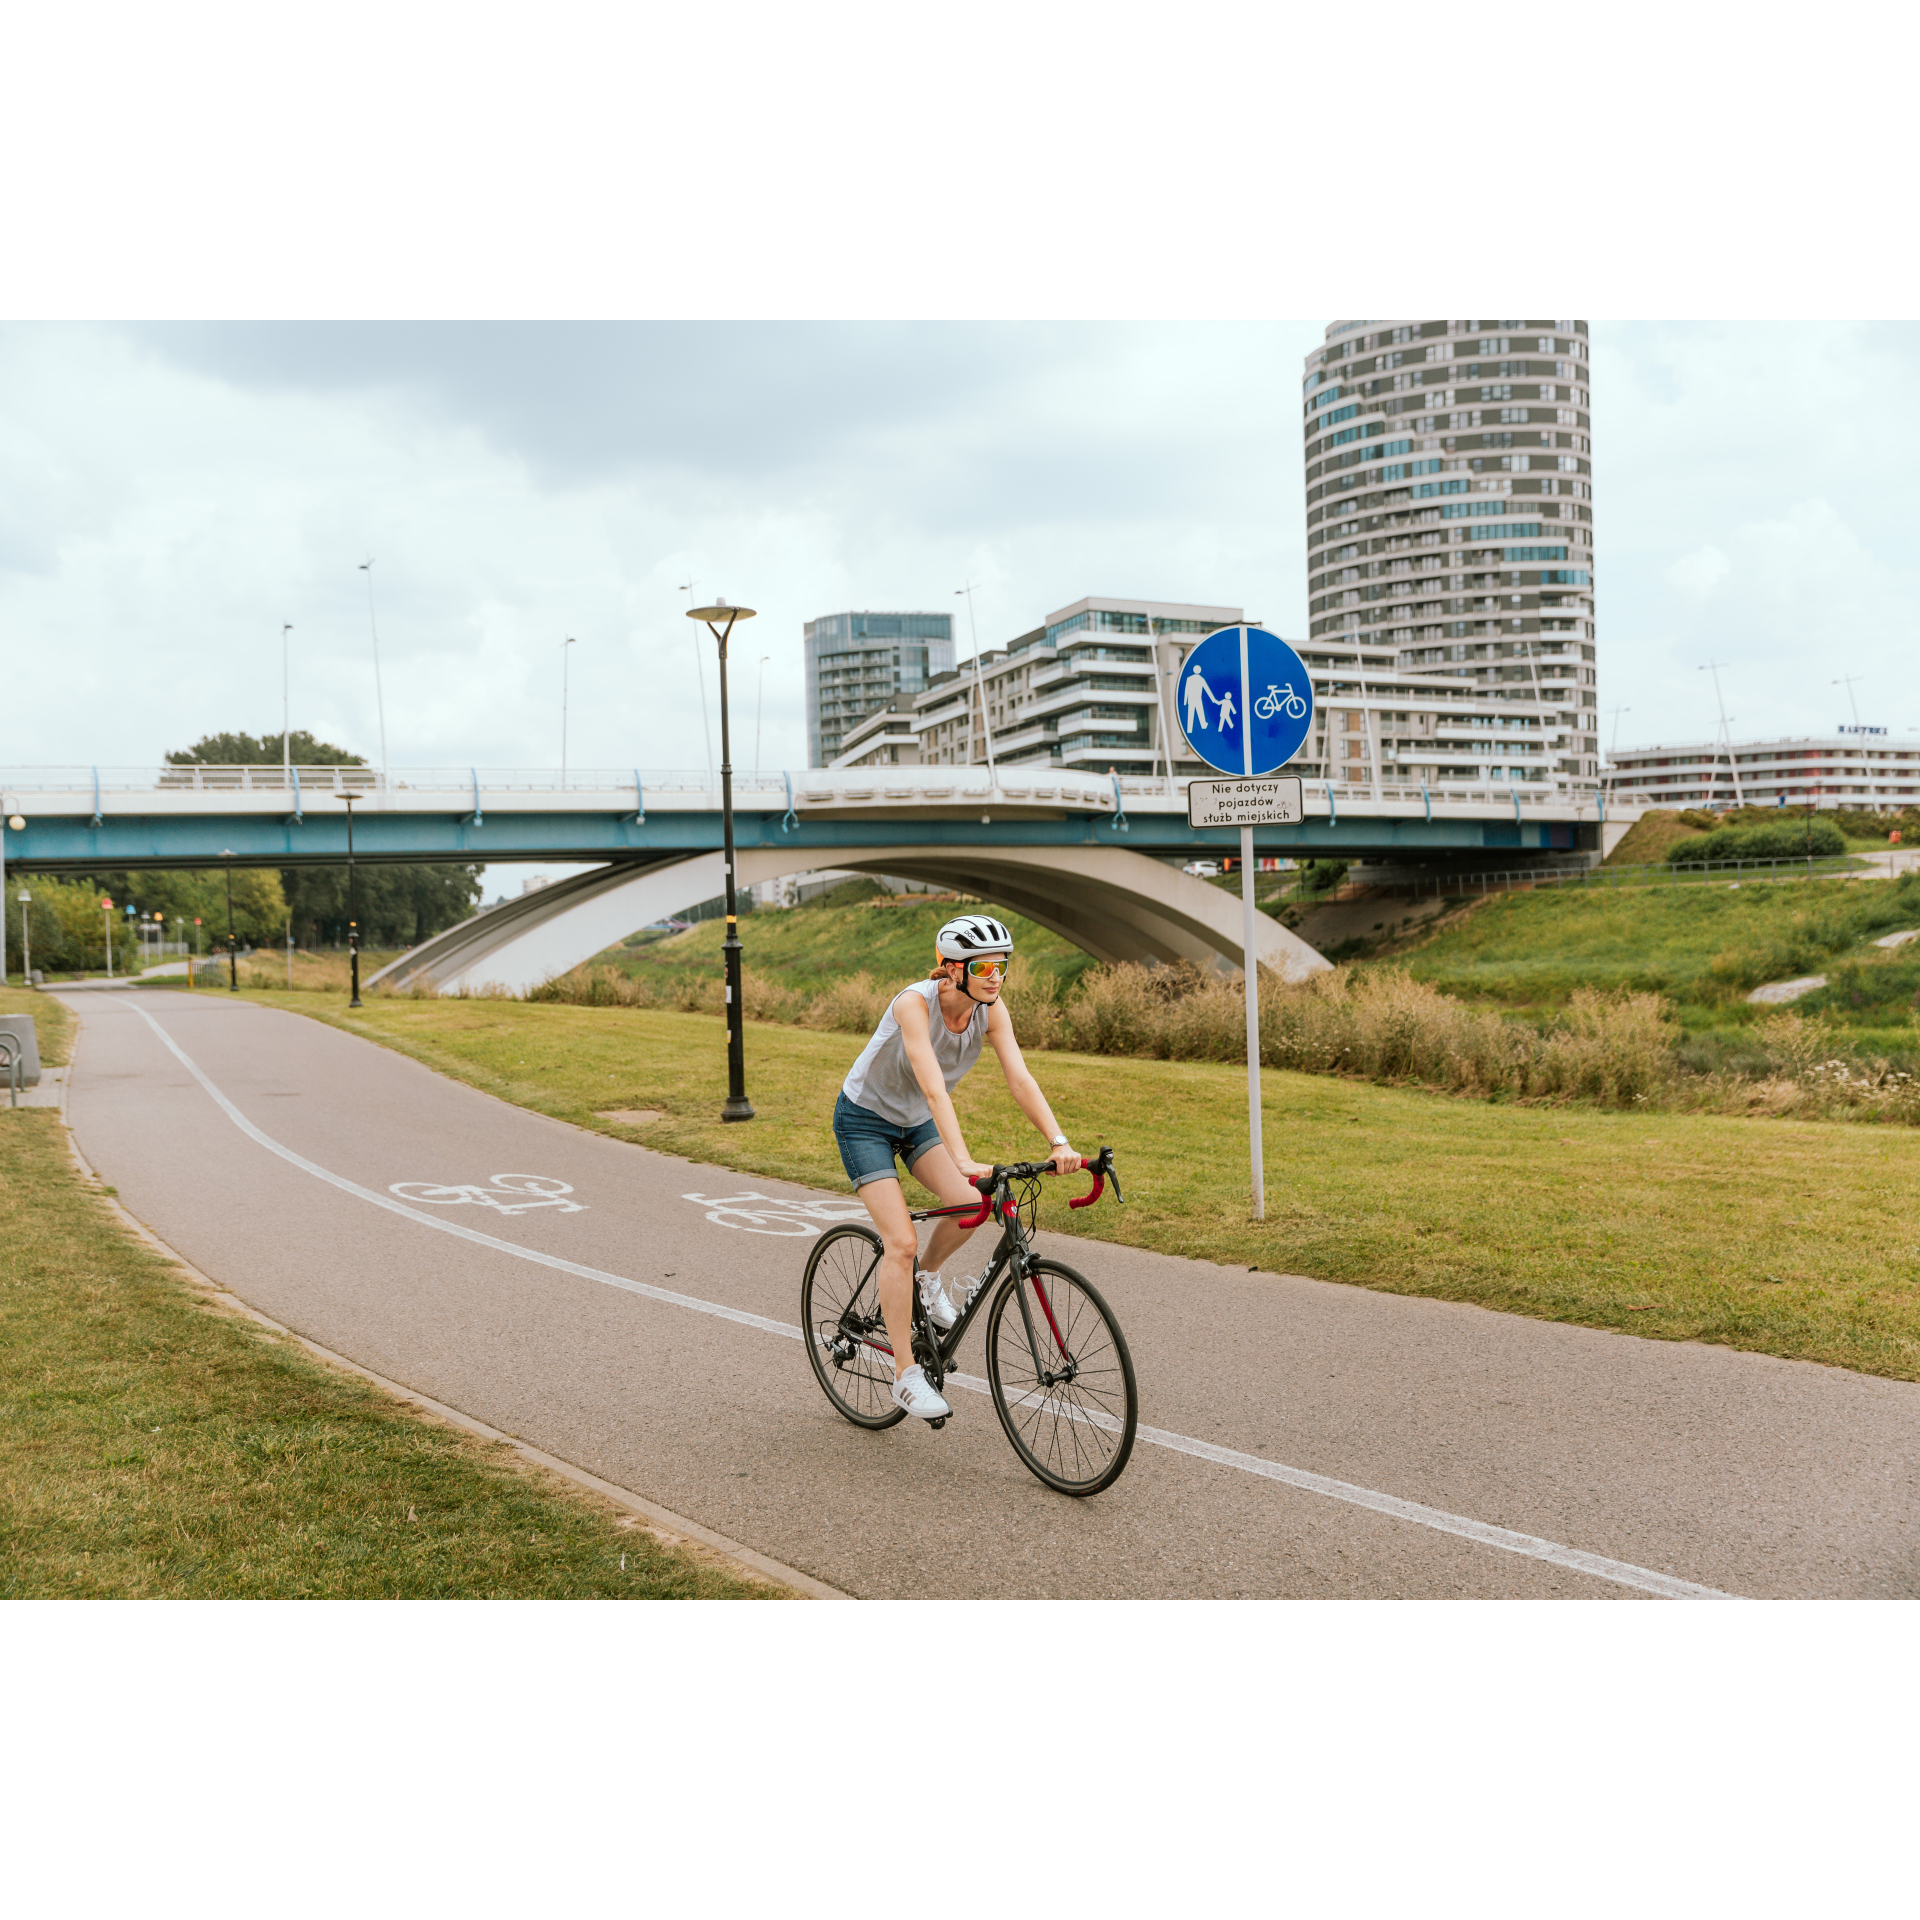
(169, 495)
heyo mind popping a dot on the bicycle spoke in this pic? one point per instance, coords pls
(840, 1307)
(1075, 1433)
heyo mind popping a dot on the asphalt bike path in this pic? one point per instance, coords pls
(636, 1314)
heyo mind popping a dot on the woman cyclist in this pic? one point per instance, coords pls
(897, 1101)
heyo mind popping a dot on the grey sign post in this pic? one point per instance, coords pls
(1246, 703)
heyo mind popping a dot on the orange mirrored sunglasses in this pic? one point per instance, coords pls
(987, 969)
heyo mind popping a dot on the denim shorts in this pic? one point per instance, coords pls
(868, 1142)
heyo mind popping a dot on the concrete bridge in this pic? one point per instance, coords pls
(1094, 859)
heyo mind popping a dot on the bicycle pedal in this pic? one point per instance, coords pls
(936, 1425)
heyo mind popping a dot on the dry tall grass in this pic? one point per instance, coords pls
(1612, 1049)
(1380, 1025)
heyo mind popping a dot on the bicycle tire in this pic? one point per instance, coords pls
(840, 1301)
(1053, 1428)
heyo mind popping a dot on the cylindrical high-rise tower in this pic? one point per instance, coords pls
(1450, 510)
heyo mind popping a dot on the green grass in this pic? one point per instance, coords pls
(1788, 1238)
(1702, 946)
(54, 1027)
(154, 1446)
(1659, 830)
(811, 947)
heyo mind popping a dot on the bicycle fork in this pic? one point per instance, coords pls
(1047, 1376)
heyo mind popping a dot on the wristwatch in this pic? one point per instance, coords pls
(1058, 1140)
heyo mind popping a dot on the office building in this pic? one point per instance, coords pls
(1451, 629)
(858, 662)
(1857, 767)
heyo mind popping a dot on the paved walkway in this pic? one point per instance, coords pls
(635, 1314)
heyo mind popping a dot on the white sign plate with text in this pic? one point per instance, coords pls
(1245, 803)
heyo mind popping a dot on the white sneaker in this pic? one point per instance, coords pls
(933, 1296)
(913, 1392)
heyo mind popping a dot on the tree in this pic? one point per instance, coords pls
(399, 906)
(247, 750)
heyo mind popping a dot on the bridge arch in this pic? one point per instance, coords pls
(1115, 904)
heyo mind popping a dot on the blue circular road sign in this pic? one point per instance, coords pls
(1245, 701)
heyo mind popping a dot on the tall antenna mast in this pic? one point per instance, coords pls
(1733, 766)
(379, 698)
(700, 667)
(979, 682)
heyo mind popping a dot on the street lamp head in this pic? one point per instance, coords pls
(17, 822)
(720, 611)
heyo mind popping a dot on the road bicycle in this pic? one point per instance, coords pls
(1058, 1369)
(1279, 700)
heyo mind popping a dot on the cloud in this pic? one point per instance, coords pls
(173, 494)
(1753, 496)
(1699, 573)
(170, 495)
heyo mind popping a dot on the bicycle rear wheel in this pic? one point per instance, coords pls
(1066, 1397)
(840, 1321)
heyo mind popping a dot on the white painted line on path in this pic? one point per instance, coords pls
(1620, 1572)
(441, 1225)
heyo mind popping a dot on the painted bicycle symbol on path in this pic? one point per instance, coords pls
(764, 1213)
(508, 1193)
(1278, 700)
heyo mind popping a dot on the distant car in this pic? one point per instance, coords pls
(1203, 869)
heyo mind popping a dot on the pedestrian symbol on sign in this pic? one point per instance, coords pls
(1198, 694)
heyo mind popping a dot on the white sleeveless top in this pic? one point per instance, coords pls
(882, 1079)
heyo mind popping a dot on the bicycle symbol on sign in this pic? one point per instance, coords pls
(1279, 700)
(509, 1193)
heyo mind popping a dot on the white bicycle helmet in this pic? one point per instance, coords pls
(972, 936)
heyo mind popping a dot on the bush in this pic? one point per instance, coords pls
(852, 1005)
(1789, 840)
(1321, 876)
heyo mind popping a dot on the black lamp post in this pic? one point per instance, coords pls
(353, 909)
(233, 960)
(721, 620)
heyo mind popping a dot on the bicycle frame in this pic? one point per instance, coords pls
(1013, 1251)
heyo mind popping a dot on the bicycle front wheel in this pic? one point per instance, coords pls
(1062, 1379)
(840, 1320)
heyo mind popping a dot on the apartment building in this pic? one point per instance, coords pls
(1860, 767)
(859, 662)
(1451, 627)
(1093, 686)
(1089, 687)
(885, 738)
